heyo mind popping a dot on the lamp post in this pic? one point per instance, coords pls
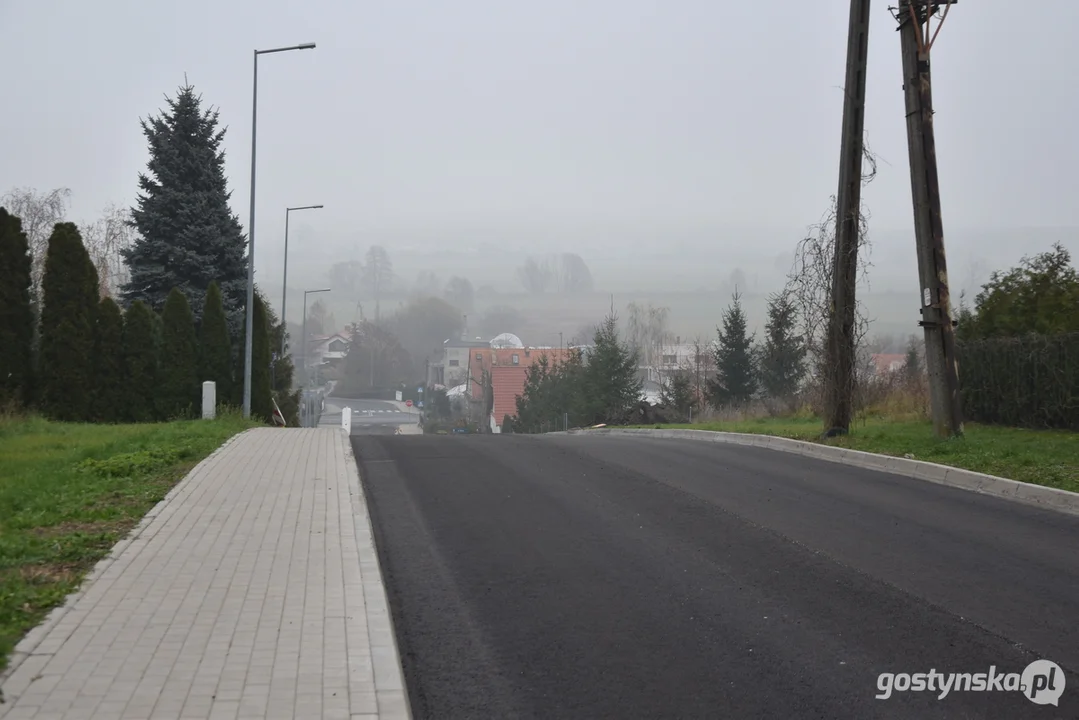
(303, 340)
(284, 280)
(251, 227)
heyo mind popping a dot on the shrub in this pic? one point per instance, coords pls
(140, 364)
(108, 362)
(16, 315)
(215, 346)
(70, 298)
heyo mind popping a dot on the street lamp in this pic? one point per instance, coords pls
(303, 332)
(251, 228)
(284, 280)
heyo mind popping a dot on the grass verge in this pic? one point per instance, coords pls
(69, 492)
(1042, 457)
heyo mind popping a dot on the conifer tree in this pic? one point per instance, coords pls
(736, 374)
(70, 298)
(215, 348)
(188, 235)
(261, 357)
(16, 314)
(179, 385)
(140, 364)
(783, 356)
(610, 381)
(108, 395)
(283, 371)
(677, 394)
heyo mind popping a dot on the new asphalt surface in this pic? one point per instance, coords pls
(617, 577)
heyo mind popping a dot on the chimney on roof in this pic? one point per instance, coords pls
(464, 331)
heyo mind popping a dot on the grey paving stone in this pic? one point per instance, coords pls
(251, 590)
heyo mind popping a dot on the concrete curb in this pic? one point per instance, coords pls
(30, 642)
(378, 603)
(1045, 497)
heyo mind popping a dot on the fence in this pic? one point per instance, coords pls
(1030, 381)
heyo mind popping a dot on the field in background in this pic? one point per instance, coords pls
(542, 317)
(69, 492)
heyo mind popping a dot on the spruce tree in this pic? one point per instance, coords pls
(70, 298)
(179, 364)
(16, 315)
(783, 356)
(140, 364)
(215, 348)
(736, 374)
(677, 394)
(188, 235)
(610, 381)
(108, 363)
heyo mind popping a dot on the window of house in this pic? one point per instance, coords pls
(670, 359)
(479, 356)
(337, 346)
(516, 359)
(455, 363)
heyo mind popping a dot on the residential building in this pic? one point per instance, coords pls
(508, 369)
(328, 352)
(451, 368)
(887, 363)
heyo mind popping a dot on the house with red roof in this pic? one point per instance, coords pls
(887, 363)
(508, 368)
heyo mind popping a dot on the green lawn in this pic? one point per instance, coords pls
(1043, 457)
(68, 493)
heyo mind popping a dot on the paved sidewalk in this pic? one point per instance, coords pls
(252, 591)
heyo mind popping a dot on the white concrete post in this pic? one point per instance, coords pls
(209, 400)
(346, 420)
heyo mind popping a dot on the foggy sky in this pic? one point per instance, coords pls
(577, 121)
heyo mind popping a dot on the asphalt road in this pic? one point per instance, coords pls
(605, 577)
(369, 417)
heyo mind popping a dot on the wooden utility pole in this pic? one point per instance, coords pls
(940, 352)
(840, 347)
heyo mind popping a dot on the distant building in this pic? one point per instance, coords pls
(328, 350)
(887, 363)
(508, 368)
(450, 369)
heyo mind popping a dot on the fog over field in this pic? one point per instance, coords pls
(676, 159)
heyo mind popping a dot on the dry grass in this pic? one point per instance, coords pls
(893, 419)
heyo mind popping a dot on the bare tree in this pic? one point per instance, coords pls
(810, 282)
(377, 274)
(574, 276)
(647, 331)
(105, 240)
(701, 368)
(39, 212)
(536, 276)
